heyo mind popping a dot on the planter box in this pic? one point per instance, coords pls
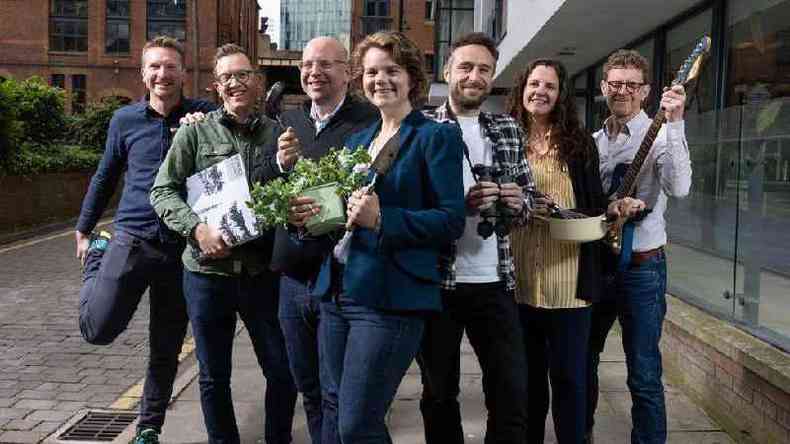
(333, 211)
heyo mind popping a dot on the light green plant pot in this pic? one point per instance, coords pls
(333, 213)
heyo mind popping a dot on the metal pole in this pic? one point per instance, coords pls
(195, 50)
(400, 16)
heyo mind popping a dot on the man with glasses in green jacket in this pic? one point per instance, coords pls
(231, 282)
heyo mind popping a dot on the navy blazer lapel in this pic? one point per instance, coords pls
(366, 136)
(407, 129)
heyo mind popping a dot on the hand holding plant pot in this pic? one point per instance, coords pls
(312, 196)
(301, 210)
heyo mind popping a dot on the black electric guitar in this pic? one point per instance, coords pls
(625, 175)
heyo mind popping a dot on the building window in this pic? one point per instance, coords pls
(377, 8)
(377, 17)
(68, 25)
(78, 92)
(302, 20)
(454, 18)
(429, 10)
(116, 39)
(58, 81)
(166, 17)
(499, 24)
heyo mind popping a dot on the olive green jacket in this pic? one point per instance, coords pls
(198, 146)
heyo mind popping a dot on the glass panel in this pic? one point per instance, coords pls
(758, 76)
(681, 40)
(647, 50)
(172, 29)
(301, 20)
(78, 87)
(580, 81)
(581, 102)
(700, 229)
(117, 8)
(117, 40)
(59, 81)
(599, 109)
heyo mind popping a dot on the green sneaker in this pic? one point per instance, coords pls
(146, 436)
(100, 240)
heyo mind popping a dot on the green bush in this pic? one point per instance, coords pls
(90, 127)
(38, 108)
(10, 130)
(33, 158)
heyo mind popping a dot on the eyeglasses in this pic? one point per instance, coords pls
(322, 65)
(630, 87)
(242, 77)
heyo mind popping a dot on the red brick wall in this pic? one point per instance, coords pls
(35, 201)
(24, 45)
(750, 407)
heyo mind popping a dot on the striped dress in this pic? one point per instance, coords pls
(547, 270)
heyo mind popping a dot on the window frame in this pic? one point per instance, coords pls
(159, 20)
(60, 18)
(112, 22)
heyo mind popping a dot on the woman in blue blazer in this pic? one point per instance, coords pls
(373, 307)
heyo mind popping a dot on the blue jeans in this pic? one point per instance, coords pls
(299, 318)
(213, 302)
(113, 283)
(364, 355)
(640, 305)
(556, 343)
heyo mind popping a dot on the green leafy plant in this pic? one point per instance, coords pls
(38, 108)
(90, 127)
(10, 131)
(270, 201)
(33, 158)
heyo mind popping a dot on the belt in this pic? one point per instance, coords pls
(639, 257)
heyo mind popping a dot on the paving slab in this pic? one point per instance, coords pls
(687, 423)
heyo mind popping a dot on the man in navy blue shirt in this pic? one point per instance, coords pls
(143, 253)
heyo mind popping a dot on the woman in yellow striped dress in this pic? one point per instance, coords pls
(557, 282)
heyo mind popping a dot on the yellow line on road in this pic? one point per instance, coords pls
(27, 243)
(131, 397)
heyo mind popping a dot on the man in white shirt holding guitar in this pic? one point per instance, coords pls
(656, 158)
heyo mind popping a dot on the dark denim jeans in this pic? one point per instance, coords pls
(489, 315)
(639, 303)
(364, 355)
(113, 283)
(556, 341)
(299, 318)
(213, 302)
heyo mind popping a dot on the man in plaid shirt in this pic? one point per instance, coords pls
(478, 273)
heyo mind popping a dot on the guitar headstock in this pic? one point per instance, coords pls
(691, 67)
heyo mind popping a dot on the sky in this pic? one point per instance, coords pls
(271, 9)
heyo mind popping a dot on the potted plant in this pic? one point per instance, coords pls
(329, 181)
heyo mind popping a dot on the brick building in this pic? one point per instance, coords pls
(415, 18)
(91, 48)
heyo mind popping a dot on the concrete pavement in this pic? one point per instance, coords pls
(688, 424)
(48, 373)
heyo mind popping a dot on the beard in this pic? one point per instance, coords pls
(468, 103)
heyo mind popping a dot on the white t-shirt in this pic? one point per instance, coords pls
(476, 258)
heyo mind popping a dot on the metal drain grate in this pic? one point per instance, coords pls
(98, 426)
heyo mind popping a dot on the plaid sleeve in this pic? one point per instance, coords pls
(523, 175)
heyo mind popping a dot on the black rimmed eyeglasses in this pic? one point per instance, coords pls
(630, 87)
(243, 76)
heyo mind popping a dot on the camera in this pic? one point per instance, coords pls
(497, 218)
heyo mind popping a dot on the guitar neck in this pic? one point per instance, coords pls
(627, 187)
